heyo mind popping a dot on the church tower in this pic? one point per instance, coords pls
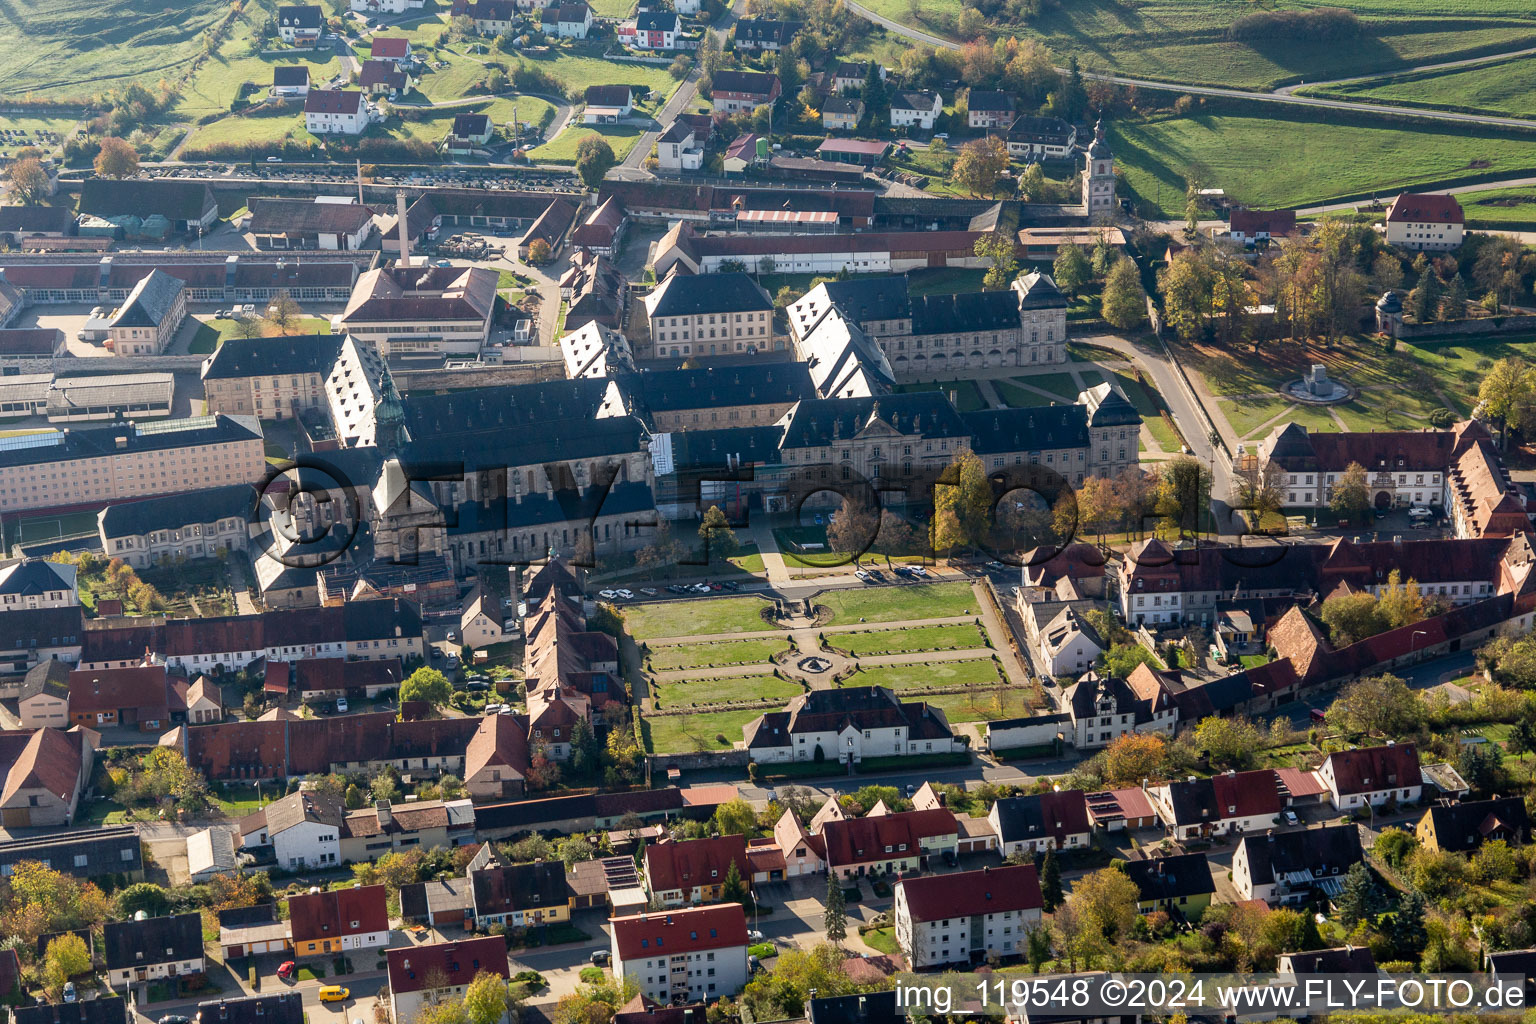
(1099, 177)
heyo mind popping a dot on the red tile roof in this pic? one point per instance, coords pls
(459, 962)
(856, 840)
(992, 890)
(330, 914)
(389, 46)
(1372, 769)
(1275, 222)
(681, 931)
(1425, 208)
(143, 689)
(694, 863)
(52, 761)
(1300, 782)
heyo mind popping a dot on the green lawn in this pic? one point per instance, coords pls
(214, 332)
(1321, 160)
(913, 638)
(562, 149)
(715, 691)
(578, 71)
(883, 939)
(1060, 384)
(1503, 87)
(1016, 397)
(725, 652)
(1500, 206)
(893, 604)
(268, 129)
(677, 734)
(217, 82)
(64, 127)
(983, 705)
(967, 394)
(980, 672)
(694, 618)
(943, 281)
(35, 529)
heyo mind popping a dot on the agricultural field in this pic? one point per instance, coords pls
(1503, 87)
(1321, 161)
(1177, 41)
(80, 48)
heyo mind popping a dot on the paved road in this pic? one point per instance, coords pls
(1282, 97)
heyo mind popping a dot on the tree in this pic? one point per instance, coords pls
(145, 896)
(283, 313)
(247, 327)
(1228, 742)
(1121, 659)
(1105, 256)
(1071, 269)
(1050, 881)
(873, 92)
(1424, 300)
(1187, 296)
(384, 786)
(1400, 603)
(1508, 394)
(1359, 900)
(1481, 765)
(962, 503)
(716, 533)
(117, 159)
(42, 900)
(853, 530)
(539, 252)
(1352, 617)
(1123, 304)
(1395, 846)
(736, 818)
(1000, 250)
(65, 957)
(836, 921)
(1183, 494)
(1408, 934)
(1133, 757)
(1351, 496)
(29, 180)
(426, 684)
(781, 993)
(979, 164)
(594, 157)
(487, 999)
(586, 749)
(1105, 901)
(732, 890)
(1032, 186)
(1257, 490)
(1453, 306)
(1379, 705)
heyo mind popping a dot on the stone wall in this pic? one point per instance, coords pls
(1468, 328)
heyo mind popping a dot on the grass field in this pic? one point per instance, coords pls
(987, 705)
(913, 638)
(1249, 415)
(562, 149)
(894, 604)
(676, 734)
(217, 82)
(980, 672)
(725, 652)
(691, 618)
(1500, 206)
(63, 126)
(579, 71)
(1320, 161)
(274, 129)
(1503, 87)
(714, 691)
(967, 394)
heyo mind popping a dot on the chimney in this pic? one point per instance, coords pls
(359, 181)
(405, 241)
(381, 807)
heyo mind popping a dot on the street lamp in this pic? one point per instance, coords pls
(1414, 639)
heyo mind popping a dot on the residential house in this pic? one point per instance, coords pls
(1291, 867)
(748, 150)
(385, 78)
(989, 109)
(126, 697)
(842, 112)
(1425, 221)
(733, 310)
(1372, 775)
(883, 844)
(765, 35)
(1041, 821)
(912, 108)
(847, 724)
(1115, 809)
(1180, 886)
(80, 853)
(1040, 138)
(603, 229)
(1515, 967)
(804, 853)
(1352, 960)
(520, 895)
(567, 20)
(335, 111)
(201, 702)
(42, 698)
(104, 1010)
(1230, 802)
(273, 1008)
(153, 949)
(421, 976)
(28, 583)
(1464, 826)
(1104, 708)
(491, 17)
(678, 149)
(735, 91)
(483, 620)
(290, 81)
(1062, 639)
(300, 26)
(608, 104)
(252, 931)
(395, 49)
(303, 829)
(650, 30)
(496, 760)
(32, 638)
(339, 920)
(148, 319)
(46, 771)
(695, 870)
(371, 832)
(850, 75)
(468, 133)
(1250, 226)
(693, 954)
(967, 916)
(385, 6)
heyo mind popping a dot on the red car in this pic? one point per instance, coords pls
(285, 970)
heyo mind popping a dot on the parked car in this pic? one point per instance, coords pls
(1290, 817)
(285, 969)
(649, 591)
(607, 595)
(600, 957)
(453, 636)
(730, 585)
(903, 572)
(919, 571)
(70, 995)
(341, 705)
(950, 858)
(861, 575)
(334, 993)
(476, 686)
(755, 935)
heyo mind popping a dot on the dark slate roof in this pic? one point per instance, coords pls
(1047, 129)
(261, 913)
(725, 386)
(307, 16)
(609, 95)
(989, 99)
(150, 301)
(542, 509)
(1464, 826)
(89, 444)
(276, 1008)
(1325, 851)
(691, 295)
(871, 298)
(106, 1010)
(1040, 292)
(306, 217)
(911, 99)
(868, 1008)
(507, 888)
(102, 848)
(51, 676)
(842, 105)
(556, 440)
(206, 505)
(1036, 428)
(758, 82)
(964, 312)
(766, 30)
(155, 940)
(467, 125)
(1340, 960)
(169, 197)
(1168, 878)
(36, 576)
(1042, 814)
(695, 450)
(290, 74)
(1115, 411)
(656, 21)
(24, 219)
(41, 627)
(506, 406)
(929, 413)
(268, 357)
